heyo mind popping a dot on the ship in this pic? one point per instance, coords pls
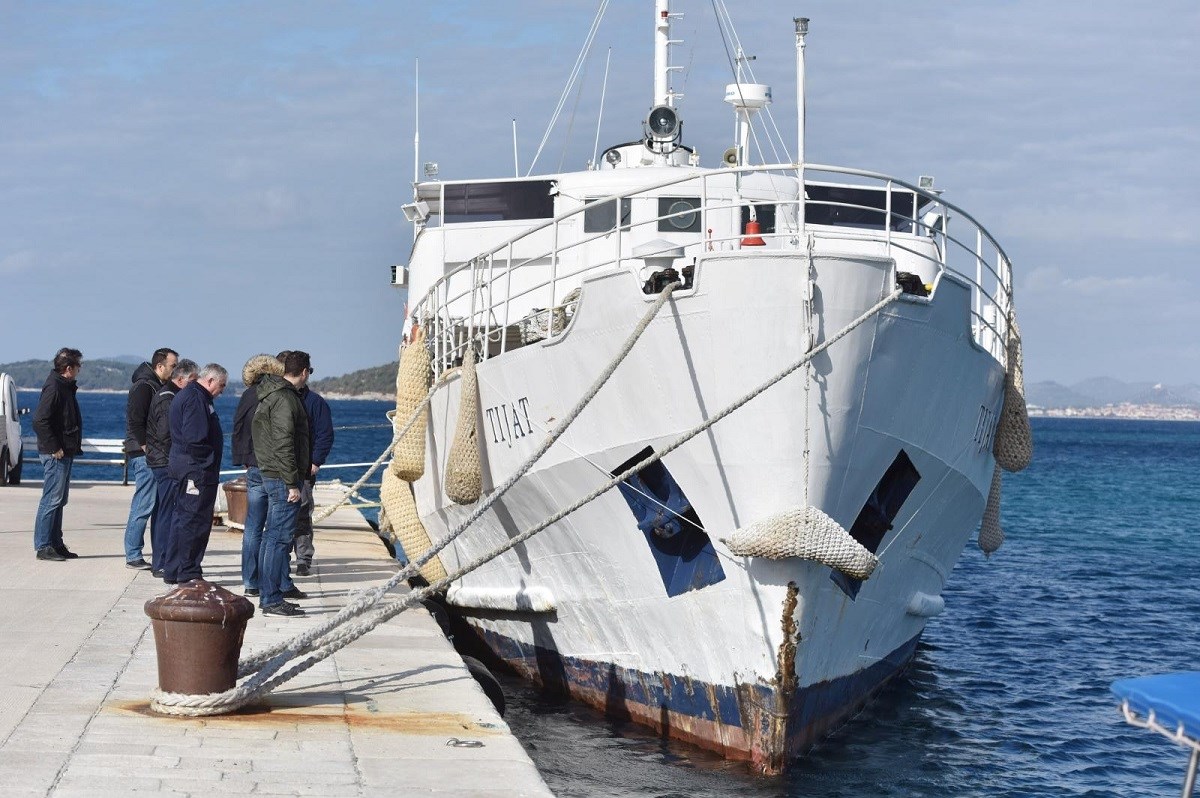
(751, 411)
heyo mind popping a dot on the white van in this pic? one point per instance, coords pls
(10, 433)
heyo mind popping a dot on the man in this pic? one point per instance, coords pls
(194, 465)
(148, 379)
(243, 455)
(158, 450)
(59, 428)
(320, 437)
(282, 450)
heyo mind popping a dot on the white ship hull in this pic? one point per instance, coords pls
(753, 657)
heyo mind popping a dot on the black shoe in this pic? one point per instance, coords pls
(251, 591)
(157, 573)
(49, 553)
(303, 569)
(282, 608)
(295, 593)
(65, 552)
(138, 565)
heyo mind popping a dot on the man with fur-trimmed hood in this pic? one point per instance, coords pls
(243, 455)
(282, 449)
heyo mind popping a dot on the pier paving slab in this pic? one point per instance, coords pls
(78, 666)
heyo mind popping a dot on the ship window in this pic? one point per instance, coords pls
(864, 208)
(765, 214)
(683, 214)
(603, 217)
(498, 201)
(681, 548)
(876, 516)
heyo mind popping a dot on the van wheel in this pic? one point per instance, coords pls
(4, 465)
(14, 473)
(491, 687)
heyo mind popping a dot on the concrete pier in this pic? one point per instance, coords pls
(77, 666)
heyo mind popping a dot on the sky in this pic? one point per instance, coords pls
(226, 178)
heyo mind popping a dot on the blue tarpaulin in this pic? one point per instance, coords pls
(1174, 698)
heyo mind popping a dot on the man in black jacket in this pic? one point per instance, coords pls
(281, 446)
(194, 465)
(158, 450)
(148, 379)
(59, 427)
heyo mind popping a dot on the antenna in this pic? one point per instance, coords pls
(416, 135)
(600, 117)
(516, 164)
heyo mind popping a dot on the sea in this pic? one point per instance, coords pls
(1008, 694)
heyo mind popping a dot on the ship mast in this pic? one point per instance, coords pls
(663, 95)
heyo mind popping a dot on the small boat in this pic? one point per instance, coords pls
(1169, 704)
(12, 448)
(774, 398)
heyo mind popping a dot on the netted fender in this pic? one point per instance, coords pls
(807, 533)
(412, 383)
(463, 469)
(1013, 446)
(401, 508)
(991, 536)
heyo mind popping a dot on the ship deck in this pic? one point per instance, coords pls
(79, 664)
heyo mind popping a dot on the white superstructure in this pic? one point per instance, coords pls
(633, 602)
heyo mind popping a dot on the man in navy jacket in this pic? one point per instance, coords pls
(194, 464)
(320, 436)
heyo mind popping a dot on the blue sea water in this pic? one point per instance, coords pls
(1008, 695)
(361, 431)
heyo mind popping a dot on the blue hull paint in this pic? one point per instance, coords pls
(724, 718)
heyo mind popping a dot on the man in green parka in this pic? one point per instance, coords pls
(281, 446)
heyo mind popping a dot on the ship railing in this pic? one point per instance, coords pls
(472, 305)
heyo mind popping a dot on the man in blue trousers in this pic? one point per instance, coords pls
(194, 465)
(320, 437)
(59, 428)
(281, 446)
(148, 379)
(158, 451)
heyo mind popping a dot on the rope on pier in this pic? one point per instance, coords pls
(264, 667)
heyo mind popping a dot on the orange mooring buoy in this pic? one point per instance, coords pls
(753, 239)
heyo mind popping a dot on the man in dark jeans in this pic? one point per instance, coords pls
(256, 495)
(59, 427)
(194, 465)
(158, 450)
(281, 446)
(320, 437)
(148, 379)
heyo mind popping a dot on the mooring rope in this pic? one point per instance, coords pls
(326, 638)
(267, 663)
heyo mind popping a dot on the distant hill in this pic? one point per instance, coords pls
(96, 375)
(374, 380)
(1103, 391)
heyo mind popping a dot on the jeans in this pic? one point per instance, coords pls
(141, 509)
(304, 527)
(256, 518)
(56, 486)
(277, 541)
(164, 515)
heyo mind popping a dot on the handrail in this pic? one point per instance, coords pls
(489, 318)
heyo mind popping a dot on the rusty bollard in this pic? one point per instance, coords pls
(198, 629)
(235, 502)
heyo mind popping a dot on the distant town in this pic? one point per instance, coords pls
(1122, 410)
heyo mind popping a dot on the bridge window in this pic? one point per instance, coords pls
(498, 201)
(603, 217)
(864, 208)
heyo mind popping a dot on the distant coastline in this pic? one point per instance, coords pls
(1124, 410)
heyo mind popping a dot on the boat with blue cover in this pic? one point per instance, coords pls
(1169, 704)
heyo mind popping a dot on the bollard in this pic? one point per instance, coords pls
(198, 629)
(235, 502)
